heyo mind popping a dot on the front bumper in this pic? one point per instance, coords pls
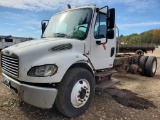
(42, 97)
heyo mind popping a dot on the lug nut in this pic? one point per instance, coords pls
(86, 95)
(79, 99)
(87, 91)
(84, 99)
(82, 88)
(78, 96)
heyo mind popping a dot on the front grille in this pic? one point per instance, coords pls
(10, 65)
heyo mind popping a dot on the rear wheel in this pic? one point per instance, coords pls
(75, 92)
(142, 63)
(140, 52)
(151, 66)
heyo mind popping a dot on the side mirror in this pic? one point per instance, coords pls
(44, 25)
(110, 23)
(111, 18)
(110, 34)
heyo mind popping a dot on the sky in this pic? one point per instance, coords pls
(23, 18)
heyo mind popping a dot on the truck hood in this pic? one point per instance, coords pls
(33, 43)
(62, 52)
(43, 45)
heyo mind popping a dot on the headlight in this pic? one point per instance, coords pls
(43, 71)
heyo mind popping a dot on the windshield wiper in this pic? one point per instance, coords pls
(66, 36)
(60, 35)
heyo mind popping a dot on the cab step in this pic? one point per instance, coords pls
(105, 73)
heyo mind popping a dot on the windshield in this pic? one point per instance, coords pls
(70, 24)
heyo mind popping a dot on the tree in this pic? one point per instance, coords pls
(148, 37)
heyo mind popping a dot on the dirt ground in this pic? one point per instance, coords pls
(134, 98)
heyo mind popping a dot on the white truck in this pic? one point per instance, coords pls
(77, 53)
(6, 41)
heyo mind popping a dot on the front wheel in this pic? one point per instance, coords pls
(75, 92)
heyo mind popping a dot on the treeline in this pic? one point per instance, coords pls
(151, 36)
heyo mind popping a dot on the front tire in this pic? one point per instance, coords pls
(75, 92)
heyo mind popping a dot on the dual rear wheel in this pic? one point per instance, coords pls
(148, 65)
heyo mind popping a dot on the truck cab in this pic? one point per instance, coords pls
(61, 67)
(89, 26)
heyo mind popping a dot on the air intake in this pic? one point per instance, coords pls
(61, 47)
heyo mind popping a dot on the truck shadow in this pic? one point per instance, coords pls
(129, 99)
(121, 96)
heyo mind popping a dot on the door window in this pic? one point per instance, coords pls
(100, 26)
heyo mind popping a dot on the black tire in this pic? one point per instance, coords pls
(140, 52)
(151, 66)
(142, 63)
(63, 99)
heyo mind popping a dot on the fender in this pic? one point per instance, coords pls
(63, 60)
(84, 64)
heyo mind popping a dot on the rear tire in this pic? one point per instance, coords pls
(75, 92)
(151, 66)
(142, 63)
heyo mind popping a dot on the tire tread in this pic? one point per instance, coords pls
(142, 63)
(149, 65)
(62, 87)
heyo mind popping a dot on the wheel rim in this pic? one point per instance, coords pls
(154, 66)
(80, 93)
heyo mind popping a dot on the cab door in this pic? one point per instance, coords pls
(101, 55)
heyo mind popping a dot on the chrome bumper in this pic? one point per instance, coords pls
(42, 97)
